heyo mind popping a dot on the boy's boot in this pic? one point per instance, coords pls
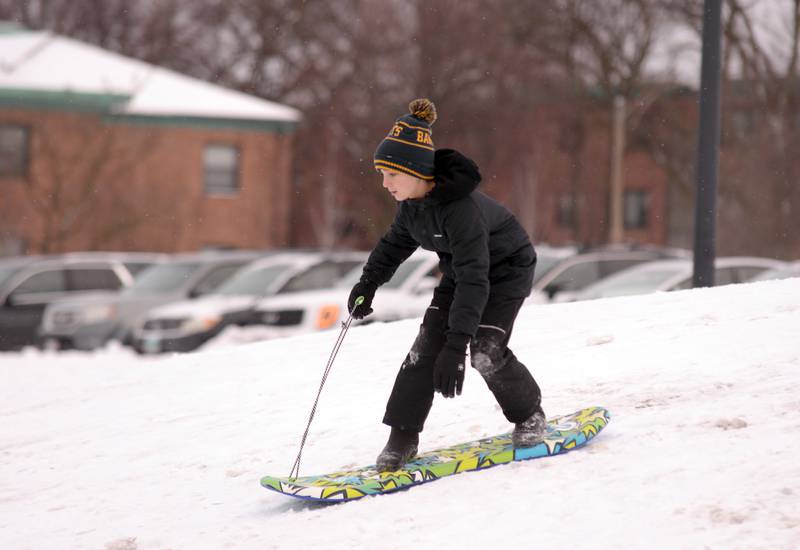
(530, 432)
(401, 448)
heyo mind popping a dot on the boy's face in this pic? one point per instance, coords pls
(403, 186)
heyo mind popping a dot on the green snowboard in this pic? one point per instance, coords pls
(564, 434)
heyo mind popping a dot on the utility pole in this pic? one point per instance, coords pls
(617, 229)
(708, 148)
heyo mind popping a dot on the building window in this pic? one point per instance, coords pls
(565, 214)
(221, 169)
(637, 207)
(744, 124)
(14, 141)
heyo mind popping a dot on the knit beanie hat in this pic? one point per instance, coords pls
(409, 148)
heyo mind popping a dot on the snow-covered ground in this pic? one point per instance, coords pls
(113, 451)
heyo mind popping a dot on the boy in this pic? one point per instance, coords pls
(487, 263)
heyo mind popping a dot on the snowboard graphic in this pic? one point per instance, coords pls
(564, 434)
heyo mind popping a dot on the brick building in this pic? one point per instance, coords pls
(573, 191)
(99, 151)
(554, 173)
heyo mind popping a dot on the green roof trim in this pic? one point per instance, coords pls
(60, 100)
(182, 121)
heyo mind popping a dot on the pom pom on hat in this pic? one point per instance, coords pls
(408, 147)
(423, 109)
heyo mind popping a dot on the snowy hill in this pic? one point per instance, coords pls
(112, 451)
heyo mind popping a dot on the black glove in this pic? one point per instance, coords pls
(448, 370)
(365, 288)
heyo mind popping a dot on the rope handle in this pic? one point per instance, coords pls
(295, 473)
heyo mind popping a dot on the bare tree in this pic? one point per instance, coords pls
(157, 31)
(500, 70)
(765, 45)
(74, 178)
(603, 50)
(759, 165)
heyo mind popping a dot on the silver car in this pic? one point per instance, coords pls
(565, 278)
(29, 283)
(407, 294)
(667, 275)
(186, 325)
(787, 271)
(92, 321)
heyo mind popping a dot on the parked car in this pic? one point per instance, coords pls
(786, 271)
(574, 273)
(548, 256)
(91, 321)
(186, 325)
(667, 275)
(29, 283)
(406, 295)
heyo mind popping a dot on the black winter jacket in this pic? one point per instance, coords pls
(482, 247)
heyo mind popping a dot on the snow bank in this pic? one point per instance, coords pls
(110, 450)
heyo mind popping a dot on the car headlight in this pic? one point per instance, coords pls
(97, 314)
(201, 324)
(327, 316)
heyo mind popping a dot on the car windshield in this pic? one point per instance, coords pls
(777, 273)
(322, 275)
(253, 282)
(400, 276)
(137, 268)
(626, 283)
(351, 278)
(163, 278)
(7, 271)
(544, 263)
(403, 273)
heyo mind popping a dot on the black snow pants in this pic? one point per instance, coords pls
(509, 380)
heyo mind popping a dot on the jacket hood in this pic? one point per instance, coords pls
(456, 176)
